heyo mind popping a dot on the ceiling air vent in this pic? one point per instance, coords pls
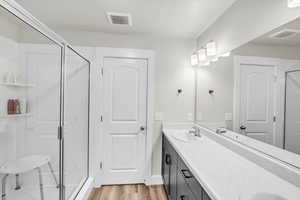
(119, 18)
(285, 34)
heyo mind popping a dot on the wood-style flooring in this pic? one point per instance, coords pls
(129, 192)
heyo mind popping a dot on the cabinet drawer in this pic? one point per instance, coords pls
(189, 179)
(183, 191)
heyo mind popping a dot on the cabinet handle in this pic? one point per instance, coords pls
(186, 173)
(168, 159)
(183, 197)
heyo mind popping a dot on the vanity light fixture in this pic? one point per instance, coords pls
(226, 54)
(202, 55)
(293, 3)
(211, 48)
(194, 59)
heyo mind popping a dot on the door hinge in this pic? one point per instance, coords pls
(60, 132)
(101, 165)
(274, 118)
(102, 71)
(101, 118)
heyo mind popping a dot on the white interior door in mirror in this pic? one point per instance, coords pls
(292, 114)
(257, 85)
(125, 107)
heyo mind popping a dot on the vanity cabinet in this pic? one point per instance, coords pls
(179, 182)
(169, 169)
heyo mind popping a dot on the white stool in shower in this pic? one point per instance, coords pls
(23, 165)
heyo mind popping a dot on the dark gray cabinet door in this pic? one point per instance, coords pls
(205, 196)
(173, 174)
(166, 165)
(169, 169)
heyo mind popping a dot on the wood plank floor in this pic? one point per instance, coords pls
(129, 192)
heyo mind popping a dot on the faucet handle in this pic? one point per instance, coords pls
(221, 130)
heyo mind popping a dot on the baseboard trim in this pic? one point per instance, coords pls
(154, 180)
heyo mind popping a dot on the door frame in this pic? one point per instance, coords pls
(149, 55)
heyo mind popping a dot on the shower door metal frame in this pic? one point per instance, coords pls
(17, 10)
(284, 119)
(89, 99)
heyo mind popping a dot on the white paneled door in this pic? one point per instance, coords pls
(125, 112)
(257, 102)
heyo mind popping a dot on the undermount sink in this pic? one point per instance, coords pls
(264, 196)
(184, 136)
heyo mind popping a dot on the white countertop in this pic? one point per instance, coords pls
(224, 174)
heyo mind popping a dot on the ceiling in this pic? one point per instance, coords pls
(172, 18)
(293, 41)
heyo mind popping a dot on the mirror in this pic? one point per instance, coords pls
(256, 90)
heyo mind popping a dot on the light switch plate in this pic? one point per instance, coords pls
(190, 117)
(159, 116)
(228, 116)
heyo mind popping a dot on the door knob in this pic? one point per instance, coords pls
(243, 130)
(142, 128)
(183, 197)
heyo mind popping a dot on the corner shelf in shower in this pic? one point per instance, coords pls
(24, 85)
(15, 115)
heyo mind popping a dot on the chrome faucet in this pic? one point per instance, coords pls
(221, 130)
(195, 131)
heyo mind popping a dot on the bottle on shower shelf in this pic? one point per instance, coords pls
(23, 106)
(17, 106)
(11, 106)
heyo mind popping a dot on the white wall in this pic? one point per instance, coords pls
(284, 52)
(172, 71)
(246, 20)
(212, 107)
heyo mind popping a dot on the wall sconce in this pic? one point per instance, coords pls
(293, 3)
(226, 54)
(194, 59)
(211, 48)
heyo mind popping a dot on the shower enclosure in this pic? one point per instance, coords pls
(44, 110)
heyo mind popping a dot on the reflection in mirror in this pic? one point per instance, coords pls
(256, 90)
(29, 111)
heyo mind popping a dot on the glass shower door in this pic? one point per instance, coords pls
(76, 123)
(30, 88)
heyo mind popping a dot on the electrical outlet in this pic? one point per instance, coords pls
(199, 116)
(190, 117)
